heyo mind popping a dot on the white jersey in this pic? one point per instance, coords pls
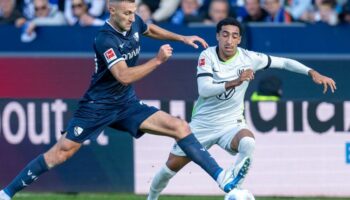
(227, 107)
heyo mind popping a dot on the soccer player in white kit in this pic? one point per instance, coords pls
(223, 75)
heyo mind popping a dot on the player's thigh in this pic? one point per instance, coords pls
(245, 132)
(230, 137)
(176, 163)
(161, 123)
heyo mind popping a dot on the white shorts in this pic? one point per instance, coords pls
(210, 136)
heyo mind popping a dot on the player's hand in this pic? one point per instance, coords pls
(20, 22)
(30, 28)
(247, 75)
(323, 80)
(190, 40)
(164, 53)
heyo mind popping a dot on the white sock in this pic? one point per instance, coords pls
(159, 182)
(246, 148)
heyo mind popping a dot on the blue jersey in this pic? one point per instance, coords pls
(112, 46)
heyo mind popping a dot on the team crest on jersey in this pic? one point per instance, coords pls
(78, 130)
(136, 36)
(201, 62)
(110, 55)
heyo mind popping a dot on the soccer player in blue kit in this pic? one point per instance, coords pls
(111, 101)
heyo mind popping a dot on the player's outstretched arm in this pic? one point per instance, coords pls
(323, 80)
(295, 66)
(127, 75)
(157, 32)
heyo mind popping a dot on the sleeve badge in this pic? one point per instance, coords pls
(110, 55)
(201, 62)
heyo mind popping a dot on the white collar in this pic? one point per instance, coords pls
(123, 33)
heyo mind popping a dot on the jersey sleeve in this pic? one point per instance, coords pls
(205, 81)
(259, 60)
(204, 66)
(108, 50)
(141, 24)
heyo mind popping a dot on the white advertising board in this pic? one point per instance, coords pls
(302, 149)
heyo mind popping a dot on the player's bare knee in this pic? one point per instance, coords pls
(54, 157)
(64, 154)
(238, 137)
(58, 155)
(182, 129)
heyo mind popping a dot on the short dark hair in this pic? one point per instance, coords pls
(229, 21)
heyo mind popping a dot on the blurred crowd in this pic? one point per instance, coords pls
(28, 14)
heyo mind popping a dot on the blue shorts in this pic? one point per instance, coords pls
(90, 119)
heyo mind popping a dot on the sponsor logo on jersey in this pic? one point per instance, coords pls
(78, 130)
(131, 54)
(226, 95)
(110, 55)
(201, 62)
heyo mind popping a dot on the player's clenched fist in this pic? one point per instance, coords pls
(164, 53)
(247, 75)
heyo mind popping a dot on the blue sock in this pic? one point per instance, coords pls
(198, 154)
(28, 175)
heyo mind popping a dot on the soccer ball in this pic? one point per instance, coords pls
(239, 194)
